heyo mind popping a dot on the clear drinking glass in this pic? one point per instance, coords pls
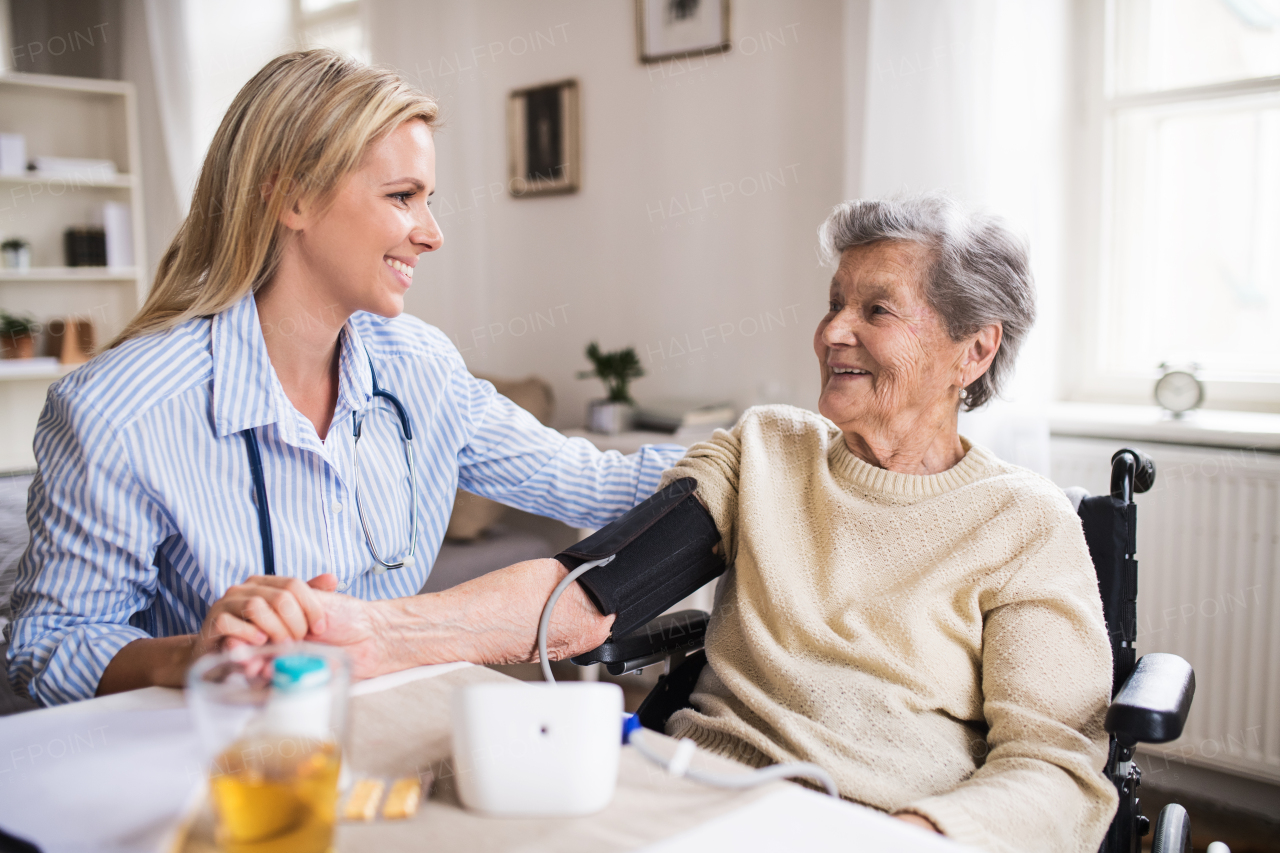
(272, 722)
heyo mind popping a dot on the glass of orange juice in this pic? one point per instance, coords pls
(272, 721)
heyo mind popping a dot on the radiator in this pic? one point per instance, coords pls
(1208, 590)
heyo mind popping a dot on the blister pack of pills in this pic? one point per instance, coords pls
(372, 798)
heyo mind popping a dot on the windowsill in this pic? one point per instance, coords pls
(1203, 428)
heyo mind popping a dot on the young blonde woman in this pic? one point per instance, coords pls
(246, 439)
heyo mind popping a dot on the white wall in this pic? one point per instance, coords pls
(719, 301)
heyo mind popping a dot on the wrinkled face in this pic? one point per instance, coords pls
(886, 359)
(361, 251)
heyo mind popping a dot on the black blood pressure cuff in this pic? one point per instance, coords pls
(663, 547)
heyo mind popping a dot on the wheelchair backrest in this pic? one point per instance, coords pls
(1110, 528)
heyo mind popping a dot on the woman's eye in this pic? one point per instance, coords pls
(879, 309)
(833, 307)
(404, 197)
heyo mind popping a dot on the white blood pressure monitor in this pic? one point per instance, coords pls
(537, 750)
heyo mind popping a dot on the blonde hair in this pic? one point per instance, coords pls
(292, 134)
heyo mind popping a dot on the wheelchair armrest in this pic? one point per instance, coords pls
(650, 643)
(1153, 702)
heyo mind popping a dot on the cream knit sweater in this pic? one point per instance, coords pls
(935, 642)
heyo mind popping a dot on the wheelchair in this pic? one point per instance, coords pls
(1151, 696)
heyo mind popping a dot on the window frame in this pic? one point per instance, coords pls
(1083, 376)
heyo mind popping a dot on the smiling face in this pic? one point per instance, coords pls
(889, 369)
(359, 252)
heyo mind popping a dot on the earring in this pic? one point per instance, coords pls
(964, 393)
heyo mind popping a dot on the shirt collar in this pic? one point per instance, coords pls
(355, 373)
(246, 391)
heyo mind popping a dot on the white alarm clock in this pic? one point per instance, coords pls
(1178, 390)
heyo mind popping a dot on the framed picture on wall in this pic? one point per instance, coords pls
(542, 139)
(666, 29)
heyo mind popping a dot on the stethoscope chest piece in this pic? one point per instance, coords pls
(405, 563)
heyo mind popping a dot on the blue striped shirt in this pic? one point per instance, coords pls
(142, 514)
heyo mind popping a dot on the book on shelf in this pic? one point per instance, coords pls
(85, 246)
(117, 225)
(13, 154)
(677, 415)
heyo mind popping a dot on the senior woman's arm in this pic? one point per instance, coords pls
(494, 618)
(1046, 680)
(490, 619)
(714, 465)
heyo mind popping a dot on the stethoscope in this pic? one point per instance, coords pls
(357, 426)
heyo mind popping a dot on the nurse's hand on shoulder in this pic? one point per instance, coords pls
(265, 609)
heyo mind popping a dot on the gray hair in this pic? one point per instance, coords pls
(979, 272)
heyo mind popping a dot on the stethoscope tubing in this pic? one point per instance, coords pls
(381, 565)
(260, 494)
(357, 426)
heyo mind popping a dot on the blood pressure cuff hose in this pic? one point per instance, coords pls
(663, 547)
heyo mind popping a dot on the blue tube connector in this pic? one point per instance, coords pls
(629, 725)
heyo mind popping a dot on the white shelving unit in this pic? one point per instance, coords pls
(60, 180)
(63, 117)
(129, 274)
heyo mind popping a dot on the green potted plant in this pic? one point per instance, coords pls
(615, 413)
(17, 253)
(17, 336)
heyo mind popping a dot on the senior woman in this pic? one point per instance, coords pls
(904, 609)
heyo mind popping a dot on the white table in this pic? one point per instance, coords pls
(135, 776)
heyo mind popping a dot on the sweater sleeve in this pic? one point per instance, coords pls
(1046, 679)
(714, 464)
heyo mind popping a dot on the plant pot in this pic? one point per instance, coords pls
(17, 346)
(609, 418)
(17, 259)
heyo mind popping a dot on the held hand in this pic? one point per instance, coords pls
(491, 619)
(265, 608)
(359, 629)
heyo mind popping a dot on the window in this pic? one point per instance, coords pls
(332, 23)
(1187, 134)
(230, 40)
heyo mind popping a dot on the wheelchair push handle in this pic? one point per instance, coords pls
(1132, 473)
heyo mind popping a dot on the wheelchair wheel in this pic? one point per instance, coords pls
(1173, 831)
